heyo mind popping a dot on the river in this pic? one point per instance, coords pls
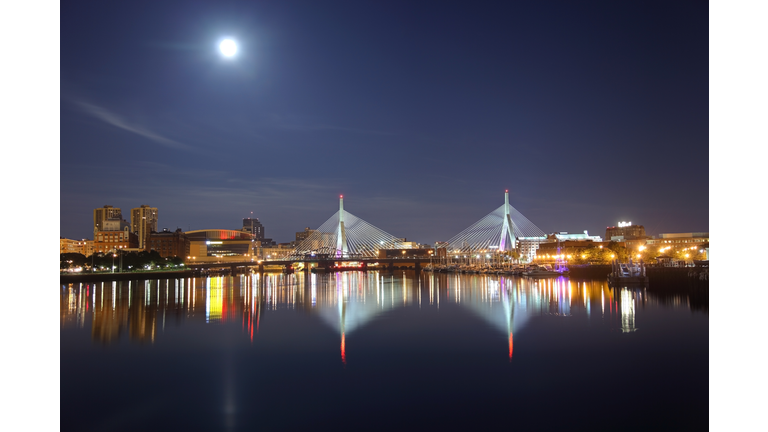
(381, 351)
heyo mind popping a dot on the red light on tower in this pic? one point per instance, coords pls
(506, 190)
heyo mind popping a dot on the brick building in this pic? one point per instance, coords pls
(108, 241)
(170, 243)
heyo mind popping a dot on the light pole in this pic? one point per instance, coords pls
(113, 262)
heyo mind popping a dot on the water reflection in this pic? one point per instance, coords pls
(345, 302)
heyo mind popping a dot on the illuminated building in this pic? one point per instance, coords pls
(220, 245)
(113, 240)
(102, 214)
(625, 230)
(406, 253)
(83, 246)
(680, 239)
(563, 236)
(527, 246)
(143, 222)
(633, 236)
(274, 252)
(568, 247)
(564, 243)
(170, 243)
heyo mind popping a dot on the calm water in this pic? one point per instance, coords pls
(385, 351)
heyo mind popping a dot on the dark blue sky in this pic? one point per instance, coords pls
(420, 113)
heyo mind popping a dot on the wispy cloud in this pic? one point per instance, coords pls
(300, 123)
(115, 120)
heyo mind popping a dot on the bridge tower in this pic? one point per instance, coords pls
(341, 234)
(507, 240)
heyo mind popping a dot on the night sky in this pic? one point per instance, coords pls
(420, 113)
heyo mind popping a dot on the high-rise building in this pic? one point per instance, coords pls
(100, 215)
(254, 227)
(144, 222)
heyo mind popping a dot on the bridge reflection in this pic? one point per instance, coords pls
(344, 302)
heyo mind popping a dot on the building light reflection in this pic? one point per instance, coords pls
(342, 301)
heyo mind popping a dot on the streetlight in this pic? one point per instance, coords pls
(113, 262)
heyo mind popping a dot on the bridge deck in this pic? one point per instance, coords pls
(287, 262)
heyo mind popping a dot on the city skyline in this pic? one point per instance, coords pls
(420, 114)
(599, 233)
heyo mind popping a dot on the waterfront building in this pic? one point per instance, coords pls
(68, 246)
(170, 243)
(568, 247)
(114, 239)
(565, 243)
(626, 230)
(631, 236)
(273, 252)
(216, 245)
(564, 236)
(407, 252)
(83, 246)
(527, 247)
(143, 223)
(680, 239)
(105, 213)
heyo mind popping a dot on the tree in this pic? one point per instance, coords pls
(71, 260)
(619, 251)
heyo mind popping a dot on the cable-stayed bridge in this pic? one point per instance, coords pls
(345, 237)
(498, 230)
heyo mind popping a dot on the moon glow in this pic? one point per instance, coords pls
(228, 48)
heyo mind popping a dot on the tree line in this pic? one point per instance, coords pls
(120, 260)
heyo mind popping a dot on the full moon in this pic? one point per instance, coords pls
(228, 48)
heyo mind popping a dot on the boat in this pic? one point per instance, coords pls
(539, 271)
(627, 274)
